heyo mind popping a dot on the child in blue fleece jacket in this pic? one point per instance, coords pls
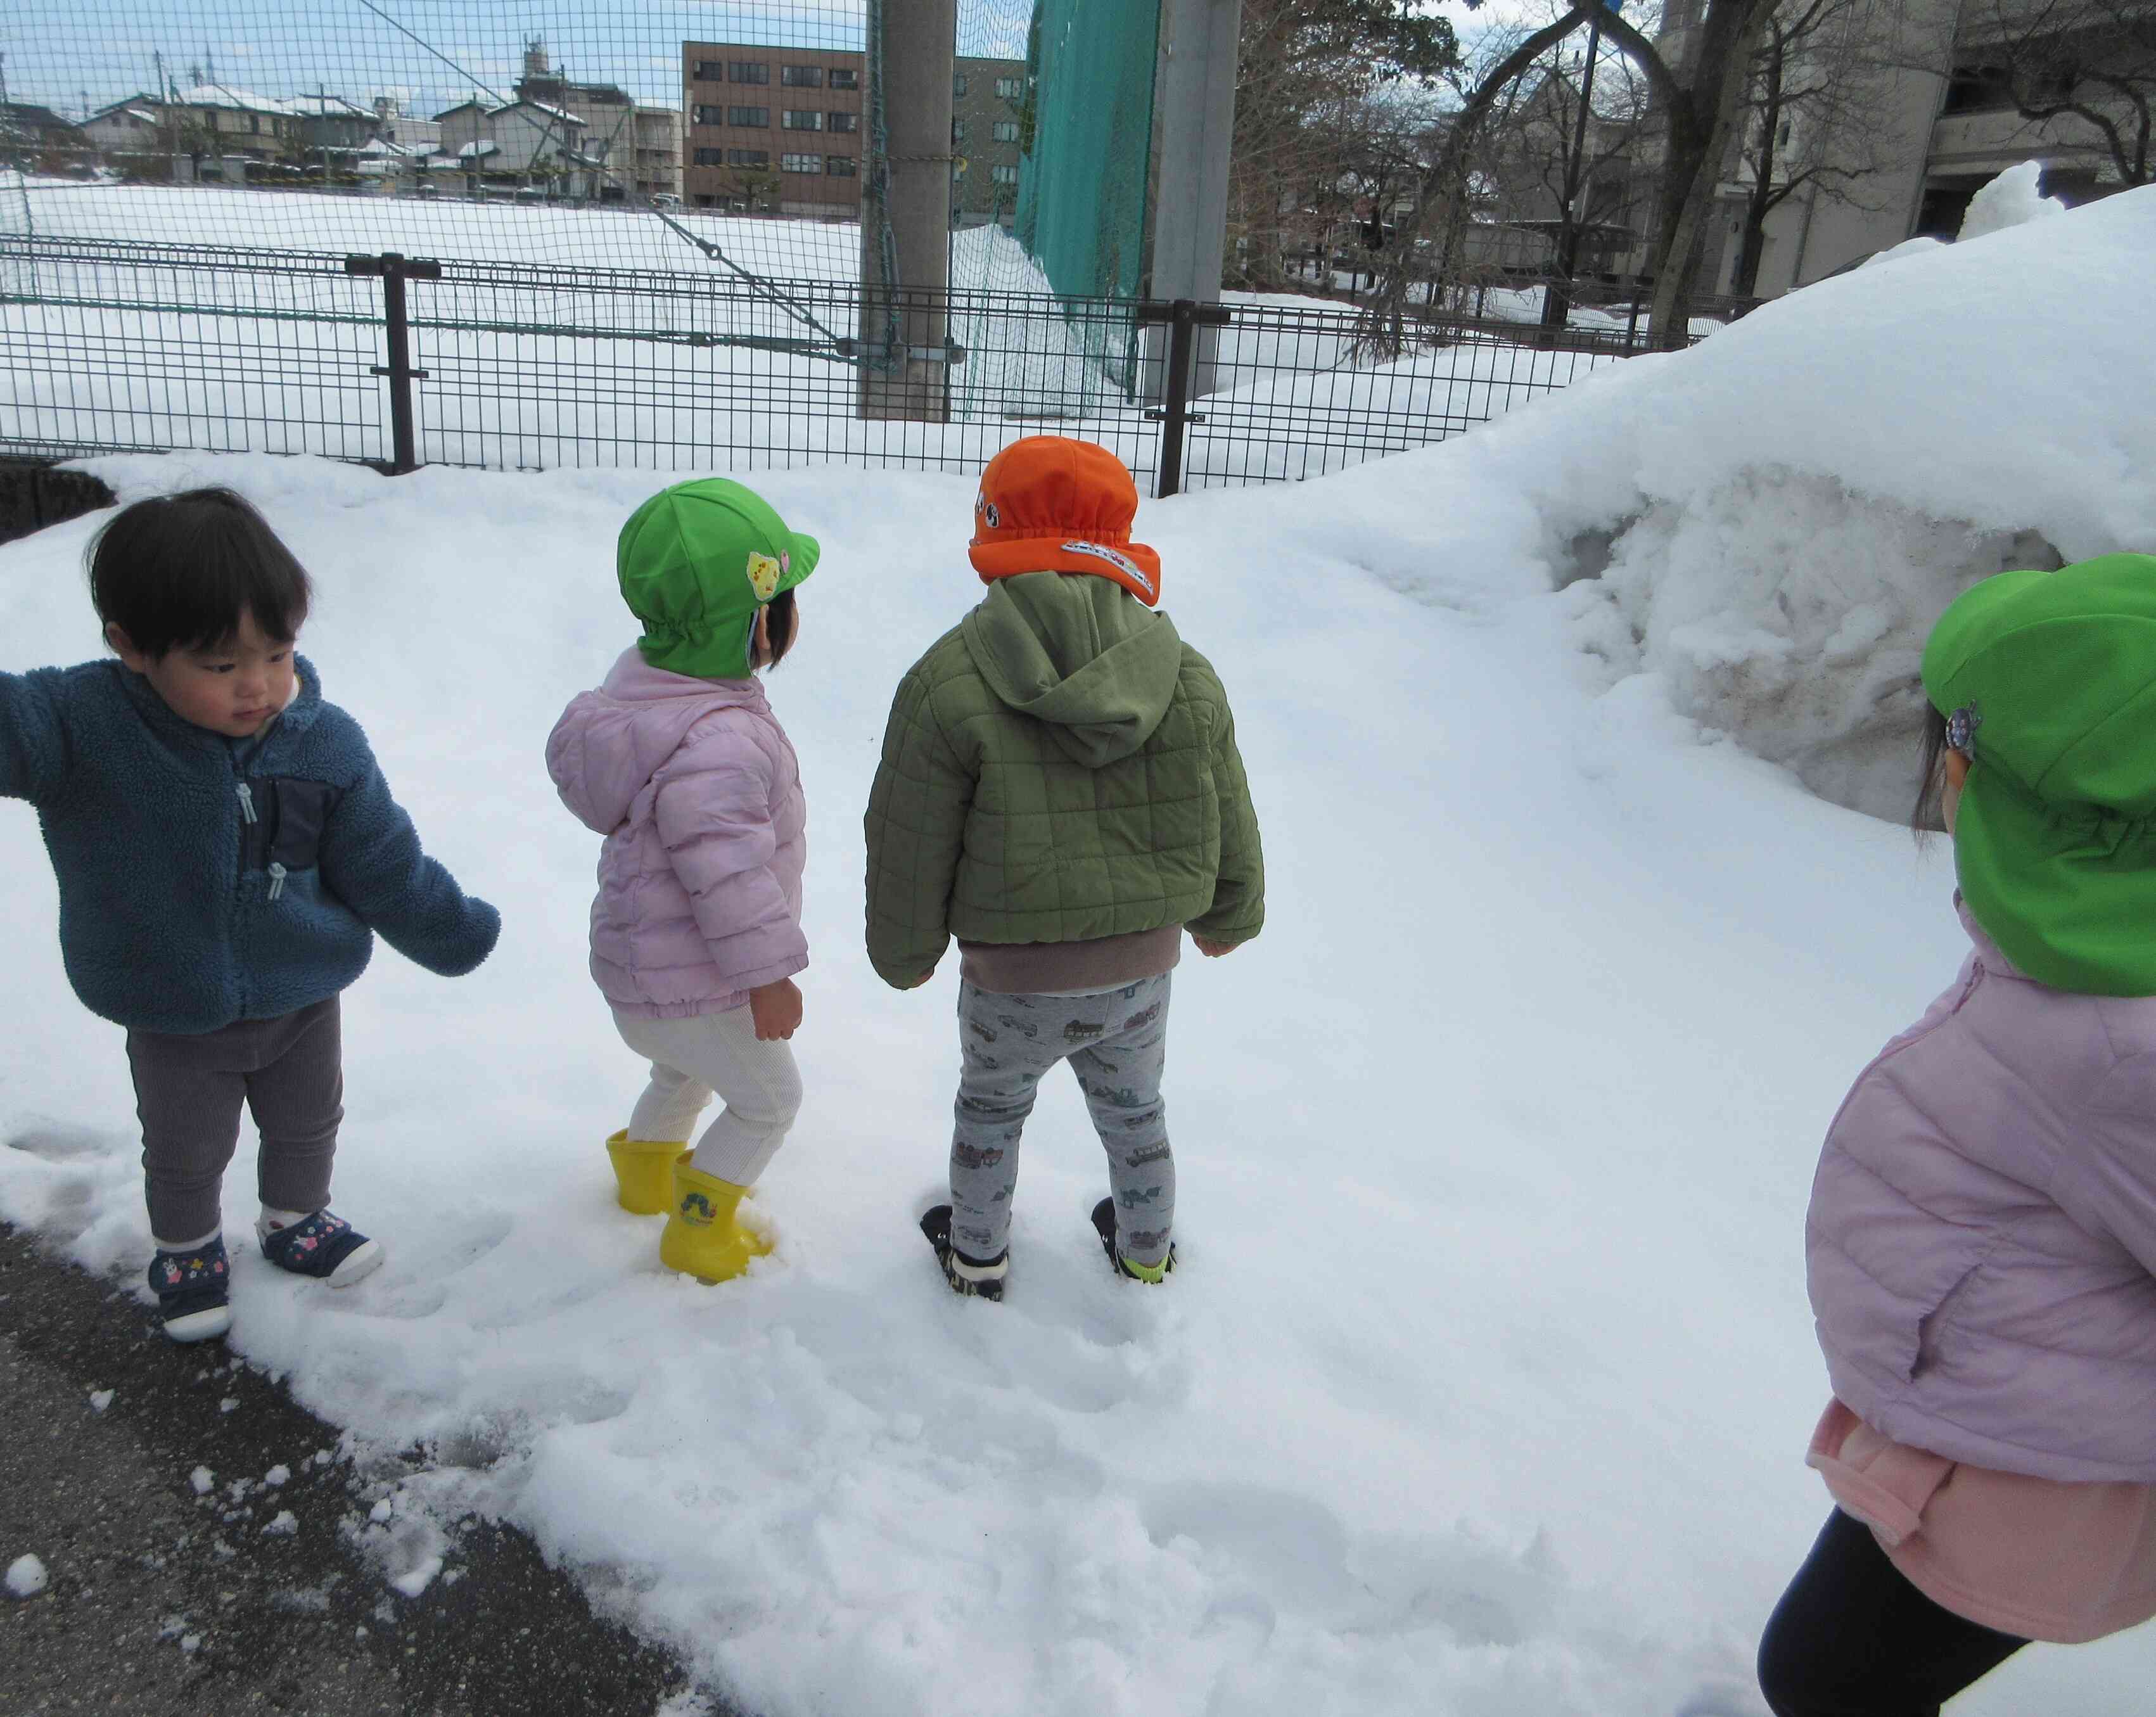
(225, 846)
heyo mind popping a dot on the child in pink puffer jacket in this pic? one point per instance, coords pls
(1981, 1246)
(678, 760)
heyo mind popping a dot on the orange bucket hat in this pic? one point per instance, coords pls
(1054, 504)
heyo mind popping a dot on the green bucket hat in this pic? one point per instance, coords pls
(696, 563)
(2048, 682)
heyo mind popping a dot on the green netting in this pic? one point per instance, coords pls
(1087, 133)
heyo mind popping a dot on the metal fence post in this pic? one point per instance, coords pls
(1184, 317)
(394, 270)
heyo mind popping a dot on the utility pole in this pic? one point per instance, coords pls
(905, 348)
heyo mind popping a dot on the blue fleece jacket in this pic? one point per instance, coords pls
(203, 879)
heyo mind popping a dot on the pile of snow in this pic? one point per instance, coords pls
(2012, 199)
(26, 1577)
(1770, 523)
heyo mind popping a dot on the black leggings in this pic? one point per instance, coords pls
(1851, 1637)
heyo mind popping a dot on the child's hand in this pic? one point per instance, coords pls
(1211, 949)
(775, 1010)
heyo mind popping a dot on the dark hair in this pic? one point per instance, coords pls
(778, 626)
(1929, 816)
(177, 572)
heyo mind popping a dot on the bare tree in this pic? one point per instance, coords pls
(1301, 64)
(1559, 154)
(2089, 60)
(1697, 103)
(1811, 121)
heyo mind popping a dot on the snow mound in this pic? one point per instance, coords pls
(26, 1577)
(2012, 200)
(1770, 523)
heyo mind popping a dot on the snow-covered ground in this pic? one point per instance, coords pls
(1484, 1386)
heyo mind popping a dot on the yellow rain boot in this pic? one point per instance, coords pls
(703, 1237)
(644, 1173)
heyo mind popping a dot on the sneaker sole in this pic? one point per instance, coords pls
(364, 1261)
(199, 1326)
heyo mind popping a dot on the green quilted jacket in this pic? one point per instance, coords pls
(1060, 767)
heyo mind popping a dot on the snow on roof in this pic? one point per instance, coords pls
(246, 101)
(567, 118)
(328, 106)
(473, 152)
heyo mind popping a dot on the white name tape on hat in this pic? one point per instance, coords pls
(1121, 561)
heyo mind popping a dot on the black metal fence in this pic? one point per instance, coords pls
(107, 346)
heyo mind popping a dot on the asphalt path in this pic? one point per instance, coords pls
(174, 1587)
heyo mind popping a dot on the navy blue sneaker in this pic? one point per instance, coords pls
(324, 1246)
(192, 1291)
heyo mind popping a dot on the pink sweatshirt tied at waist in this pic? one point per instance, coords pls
(698, 792)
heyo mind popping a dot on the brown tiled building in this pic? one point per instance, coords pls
(780, 129)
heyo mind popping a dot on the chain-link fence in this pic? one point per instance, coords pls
(632, 232)
(107, 344)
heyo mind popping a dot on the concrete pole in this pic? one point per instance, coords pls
(904, 284)
(1196, 98)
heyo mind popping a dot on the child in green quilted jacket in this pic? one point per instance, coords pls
(1060, 792)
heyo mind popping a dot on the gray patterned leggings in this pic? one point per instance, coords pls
(1117, 1043)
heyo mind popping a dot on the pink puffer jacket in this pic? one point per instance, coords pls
(698, 793)
(1982, 1242)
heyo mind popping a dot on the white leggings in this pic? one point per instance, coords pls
(690, 1058)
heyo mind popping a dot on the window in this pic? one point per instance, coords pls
(958, 85)
(801, 163)
(1004, 175)
(747, 71)
(755, 118)
(842, 121)
(958, 131)
(749, 158)
(801, 77)
(844, 79)
(711, 157)
(840, 167)
(709, 71)
(704, 200)
(1010, 89)
(1006, 130)
(703, 114)
(797, 120)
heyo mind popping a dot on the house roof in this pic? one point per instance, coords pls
(557, 113)
(242, 101)
(23, 113)
(328, 107)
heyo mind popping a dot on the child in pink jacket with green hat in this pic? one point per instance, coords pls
(1982, 1240)
(678, 760)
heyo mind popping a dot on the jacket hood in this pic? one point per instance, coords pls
(1081, 654)
(610, 743)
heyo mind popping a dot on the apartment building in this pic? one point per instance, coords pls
(781, 130)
